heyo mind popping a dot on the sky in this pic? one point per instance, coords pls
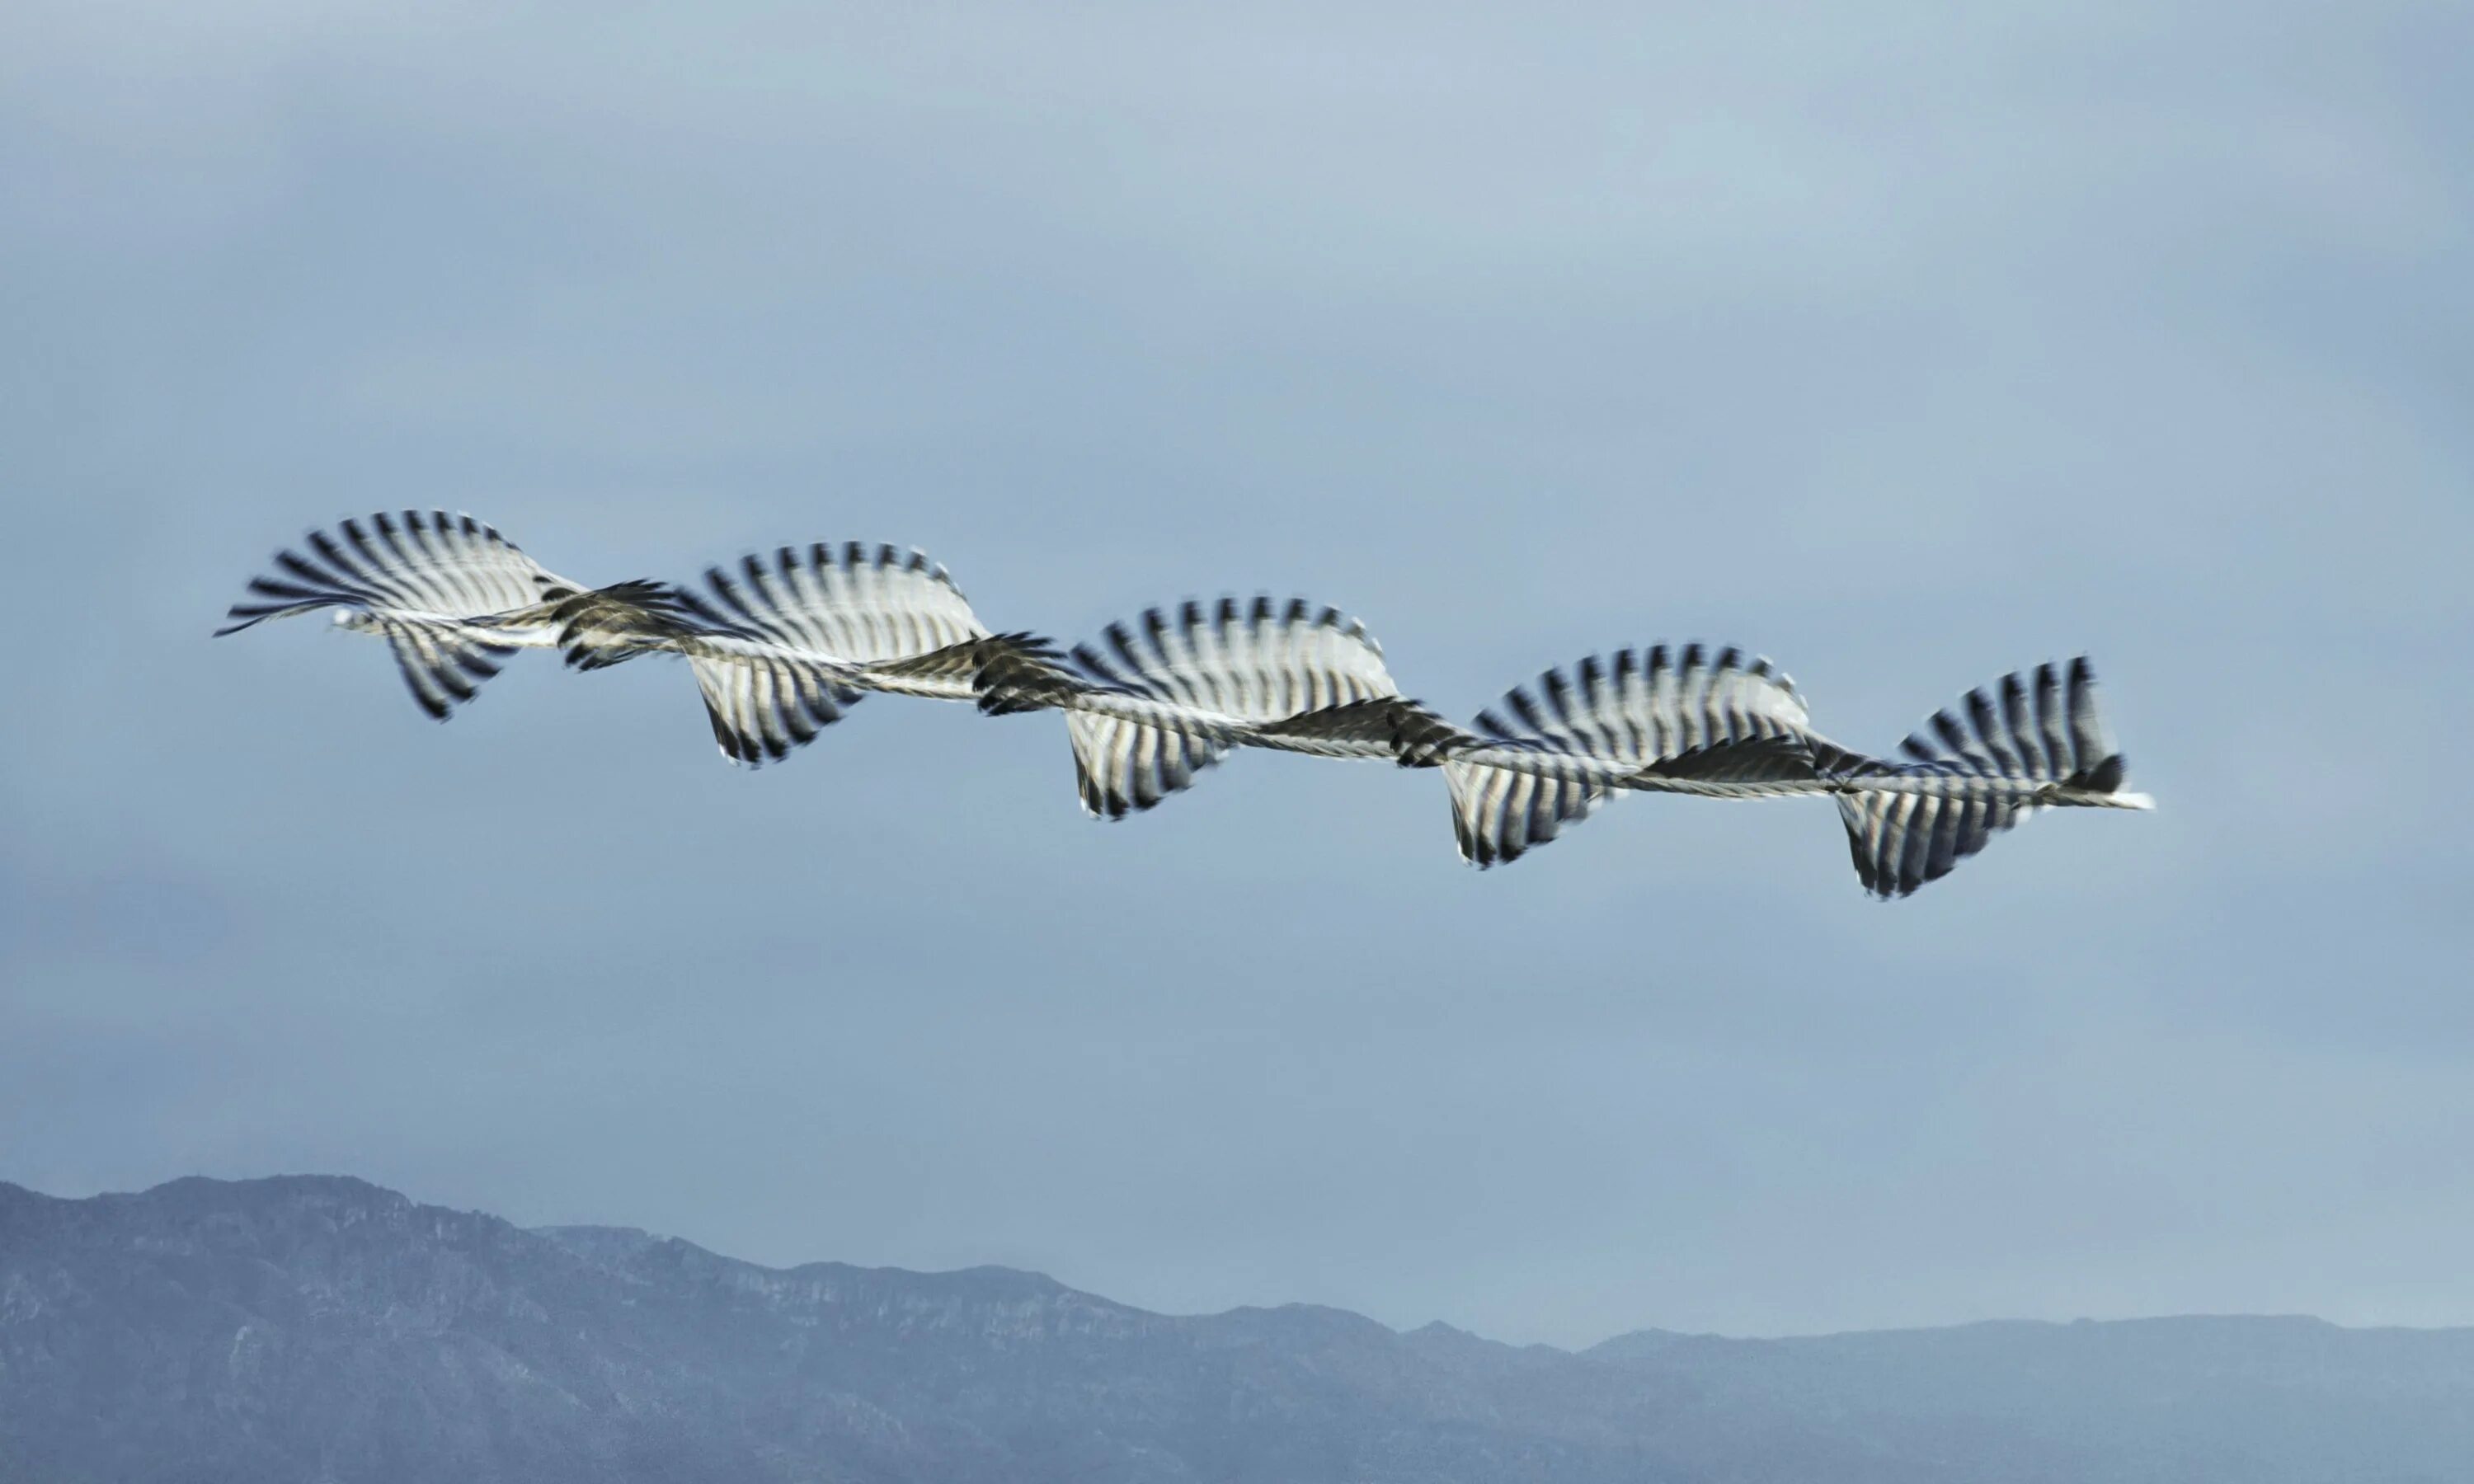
(1906, 346)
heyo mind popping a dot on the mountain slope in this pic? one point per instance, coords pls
(317, 1328)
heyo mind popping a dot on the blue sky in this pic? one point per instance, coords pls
(1908, 348)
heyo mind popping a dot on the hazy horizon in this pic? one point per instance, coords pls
(1576, 1348)
(1904, 348)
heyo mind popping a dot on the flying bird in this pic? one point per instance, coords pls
(452, 598)
(1728, 725)
(782, 645)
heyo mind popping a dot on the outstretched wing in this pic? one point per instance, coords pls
(1501, 814)
(1123, 767)
(1962, 781)
(1899, 841)
(425, 567)
(1545, 756)
(782, 645)
(2045, 726)
(450, 594)
(1644, 708)
(1258, 662)
(1156, 702)
(852, 603)
(761, 708)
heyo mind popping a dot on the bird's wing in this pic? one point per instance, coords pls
(1154, 702)
(1960, 782)
(853, 603)
(421, 566)
(450, 595)
(783, 644)
(1641, 707)
(1545, 755)
(1258, 662)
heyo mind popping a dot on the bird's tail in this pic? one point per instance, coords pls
(2029, 742)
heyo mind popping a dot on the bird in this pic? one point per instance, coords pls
(452, 597)
(1725, 725)
(1158, 699)
(1167, 695)
(782, 644)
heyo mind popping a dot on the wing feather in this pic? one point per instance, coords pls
(452, 596)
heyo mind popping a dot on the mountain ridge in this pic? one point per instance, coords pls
(321, 1326)
(585, 1233)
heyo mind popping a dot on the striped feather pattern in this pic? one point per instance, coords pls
(1899, 841)
(443, 664)
(852, 603)
(1003, 673)
(1255, 662)
(762, 707)
(1545, 755)
(429, 566)
(782, 645)
(2046, 726)
(1499, 815)
(1123, 767)
(450, 595)
(2007, 750)
(1157, 700)
(600, 627)
(1645, 706)
(760, 700)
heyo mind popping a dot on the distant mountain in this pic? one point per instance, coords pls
(315, 1328)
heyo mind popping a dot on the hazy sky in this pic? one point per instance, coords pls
(1908, 345)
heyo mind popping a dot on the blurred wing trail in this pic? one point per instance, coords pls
(782, 644)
